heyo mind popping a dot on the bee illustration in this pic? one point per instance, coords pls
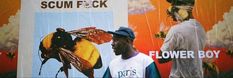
(160, 34)
(80, 52)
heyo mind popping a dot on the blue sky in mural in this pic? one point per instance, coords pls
(46, 23)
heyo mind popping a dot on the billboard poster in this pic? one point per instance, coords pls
(69, 23)
(71, 38)
(152, 25)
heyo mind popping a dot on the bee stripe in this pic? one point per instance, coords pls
(47, 41)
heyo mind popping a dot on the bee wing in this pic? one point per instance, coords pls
(77, 62)
(92, 34)
(67, 54)
(81, 31)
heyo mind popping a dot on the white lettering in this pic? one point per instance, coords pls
(185, 54)
(190, 54)
(174, 54)
(152, 53)
(165, 54)
(209, 54)
(201, 54)
(216, 53)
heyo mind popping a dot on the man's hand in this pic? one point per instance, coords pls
(163, 60)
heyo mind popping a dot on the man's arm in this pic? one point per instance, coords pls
(170, 43)
(163, 60)
(152, 71)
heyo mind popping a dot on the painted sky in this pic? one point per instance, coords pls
(8, 8)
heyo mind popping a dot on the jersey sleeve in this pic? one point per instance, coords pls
(107, 73)
(152, 71)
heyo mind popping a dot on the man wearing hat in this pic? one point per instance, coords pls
(187, 35)
(130, 63)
